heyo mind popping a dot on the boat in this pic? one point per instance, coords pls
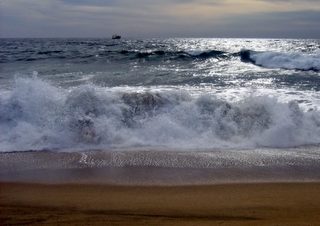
(116, 36)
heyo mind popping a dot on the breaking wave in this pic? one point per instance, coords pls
(38, 116)
(290, 61)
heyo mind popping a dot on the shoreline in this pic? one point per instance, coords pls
(242, 187)
(163, 176)
(148, 167)
(103, 204)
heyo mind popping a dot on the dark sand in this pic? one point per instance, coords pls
(94, 204)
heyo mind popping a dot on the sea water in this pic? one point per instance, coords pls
(167, 95)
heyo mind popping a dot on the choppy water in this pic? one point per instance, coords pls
(164, 94)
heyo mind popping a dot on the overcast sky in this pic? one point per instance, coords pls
(160, 18)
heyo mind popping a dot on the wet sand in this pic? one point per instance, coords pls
(162, 167)
(260, 187)
(102, 204)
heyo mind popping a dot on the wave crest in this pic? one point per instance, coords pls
(37, 116)
(291, 61)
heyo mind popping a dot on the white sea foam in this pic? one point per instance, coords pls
(295, 60)
(195, 52)
(36, 115)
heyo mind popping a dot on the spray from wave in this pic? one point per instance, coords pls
(38, 116)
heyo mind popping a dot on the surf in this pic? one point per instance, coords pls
(289, 61)
(36, 115)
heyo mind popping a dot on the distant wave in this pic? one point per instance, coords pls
(113, 54)
(268, 59)
(49, 52)
(174, 54)
(38, 116)
(208, 53)
(291, 61)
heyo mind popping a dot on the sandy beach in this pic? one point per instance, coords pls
(101, 204)
(160, 188)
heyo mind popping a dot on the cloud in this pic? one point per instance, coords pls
(291, 5)
(293, 1)
(166, 18)
(295, 24)
(89, 2)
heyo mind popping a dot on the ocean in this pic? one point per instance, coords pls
(246, 102)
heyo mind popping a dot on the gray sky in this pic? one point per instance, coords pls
(160, 18)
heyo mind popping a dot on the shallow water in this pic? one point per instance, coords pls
(155, 167)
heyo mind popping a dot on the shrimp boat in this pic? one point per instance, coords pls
(116, 36)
